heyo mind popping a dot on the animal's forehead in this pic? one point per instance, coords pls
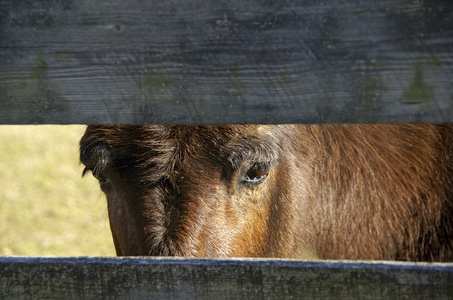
(143, 134)
(163, 138)
(159, 151)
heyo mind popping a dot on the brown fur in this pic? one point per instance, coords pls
(332, 192)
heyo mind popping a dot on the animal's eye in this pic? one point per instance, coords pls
(256, 174)
(96, 174)
(101, 179)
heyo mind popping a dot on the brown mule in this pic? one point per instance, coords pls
(292, 191)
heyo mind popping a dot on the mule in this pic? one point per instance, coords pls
(362, 192)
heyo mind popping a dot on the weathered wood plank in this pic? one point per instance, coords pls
(165, 278)
(236, 61)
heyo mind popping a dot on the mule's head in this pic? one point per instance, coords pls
(197, 190)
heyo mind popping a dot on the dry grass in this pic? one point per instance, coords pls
(46, 208)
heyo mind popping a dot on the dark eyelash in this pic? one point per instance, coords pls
(86, 170)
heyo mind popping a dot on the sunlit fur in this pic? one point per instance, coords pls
(332, 192)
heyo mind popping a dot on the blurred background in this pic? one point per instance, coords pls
(46, 207)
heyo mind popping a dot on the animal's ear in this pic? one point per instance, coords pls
(95, 158)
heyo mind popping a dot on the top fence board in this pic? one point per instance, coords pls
(175, 278)
(236, 61)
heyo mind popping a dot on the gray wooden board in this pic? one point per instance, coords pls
(173, 278)
(236, 61)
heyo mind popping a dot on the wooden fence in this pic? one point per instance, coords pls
(236, 61)
(164, 278)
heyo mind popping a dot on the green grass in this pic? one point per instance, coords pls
(46, 207)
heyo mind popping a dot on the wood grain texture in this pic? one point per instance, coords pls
(165, 278)
(236, 61)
